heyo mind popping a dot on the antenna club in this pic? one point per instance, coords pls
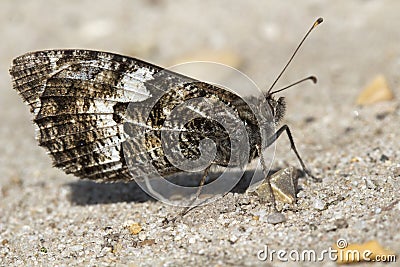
(313, 79)
(317, 22)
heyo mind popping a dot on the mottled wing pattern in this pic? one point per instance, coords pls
(79, 99)
(101, 115)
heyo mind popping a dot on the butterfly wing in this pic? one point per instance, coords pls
(79, 99)
(99, 113)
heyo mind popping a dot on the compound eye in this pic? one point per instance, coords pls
(281, 101)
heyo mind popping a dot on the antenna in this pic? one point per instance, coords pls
(316, 23)
(312, 78)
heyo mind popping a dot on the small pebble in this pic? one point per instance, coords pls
(384, 158)
(319, 204)
(275, 218)
(147, 242)
(233, 238)
(382, 115)
(396, 171)
(76, 248)
(369, 183)
(135, 228)
(375, 91)
(301, 194)
(312, 227)
(330, 227)
(142, 236)
(341, 223)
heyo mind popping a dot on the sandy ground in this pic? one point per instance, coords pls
(50, 219)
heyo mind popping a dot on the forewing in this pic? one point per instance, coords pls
(78, 99)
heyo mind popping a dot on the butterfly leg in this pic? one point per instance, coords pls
(202, 182)
(286, 129)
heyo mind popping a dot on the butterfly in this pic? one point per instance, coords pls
(80, 98)
(105, 117)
